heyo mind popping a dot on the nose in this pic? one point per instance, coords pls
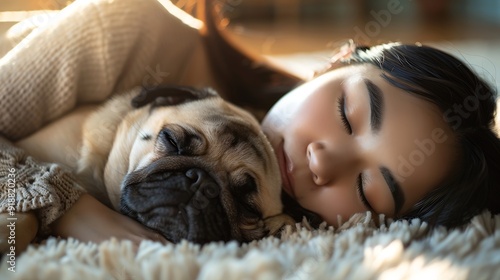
(327, 164)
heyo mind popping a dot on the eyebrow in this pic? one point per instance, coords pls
(376, 105)
(395, 188)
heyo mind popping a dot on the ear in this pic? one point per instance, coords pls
(168, 95)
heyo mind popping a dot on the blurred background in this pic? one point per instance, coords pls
(274, 26)
(301, 34)
(469, 28)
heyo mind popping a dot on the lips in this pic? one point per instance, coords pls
(285, 170)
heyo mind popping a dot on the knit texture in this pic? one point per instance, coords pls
(82, 54)
(85, 53)
(44, 187)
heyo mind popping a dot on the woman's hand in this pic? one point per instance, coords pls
(17, 234)
(90, 220)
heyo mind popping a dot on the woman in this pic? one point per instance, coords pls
(401, 130)
(383, 134)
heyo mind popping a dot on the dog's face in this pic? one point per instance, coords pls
(192, 166)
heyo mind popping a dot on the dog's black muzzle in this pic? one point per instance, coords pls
(179, 205)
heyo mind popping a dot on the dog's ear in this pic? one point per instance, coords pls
(167, 95)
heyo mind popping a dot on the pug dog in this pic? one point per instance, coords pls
(180, 160)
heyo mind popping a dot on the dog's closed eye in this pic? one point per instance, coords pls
(169, 142)
(243, 195)
(178, 140)
(249, 211)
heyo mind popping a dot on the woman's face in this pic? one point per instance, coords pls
(350, 142)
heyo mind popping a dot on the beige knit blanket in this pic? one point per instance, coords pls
(357, 250)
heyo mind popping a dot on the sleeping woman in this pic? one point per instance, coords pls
(400, 130)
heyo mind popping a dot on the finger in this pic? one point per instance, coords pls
(155, 236)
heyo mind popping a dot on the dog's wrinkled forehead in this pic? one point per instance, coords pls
(198, 122)
(228, 136)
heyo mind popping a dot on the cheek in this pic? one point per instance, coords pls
(313, 122)
(280, 115)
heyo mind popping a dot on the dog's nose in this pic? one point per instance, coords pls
(179, 205)
(202, 181)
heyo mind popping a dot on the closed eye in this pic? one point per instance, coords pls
(343, 116)
(243, 195)
(361, 192)
(169, 142)
(250, 211)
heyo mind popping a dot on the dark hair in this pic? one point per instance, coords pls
(440, 78)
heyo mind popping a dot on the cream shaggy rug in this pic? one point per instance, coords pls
(359, 249)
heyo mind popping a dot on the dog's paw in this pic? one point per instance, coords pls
(276, 224)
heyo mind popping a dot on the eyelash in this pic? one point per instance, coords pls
(343, 116)
(361, 192)
(348, 128)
